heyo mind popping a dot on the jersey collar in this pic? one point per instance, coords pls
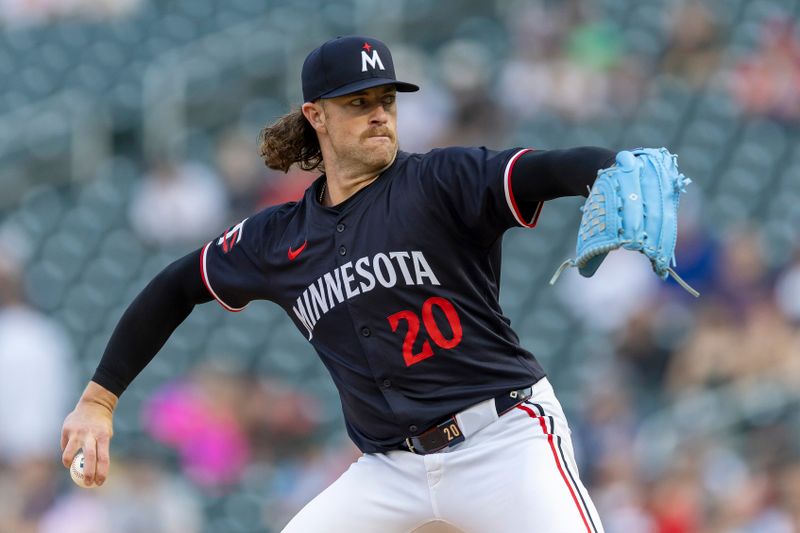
(311, 196)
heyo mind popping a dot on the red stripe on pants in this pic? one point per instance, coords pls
(558, 464)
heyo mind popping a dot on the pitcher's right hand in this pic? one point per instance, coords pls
(90, 427)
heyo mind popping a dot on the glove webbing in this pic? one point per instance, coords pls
(675, 276)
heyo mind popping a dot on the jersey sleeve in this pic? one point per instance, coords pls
(474, 187)
(232, 265)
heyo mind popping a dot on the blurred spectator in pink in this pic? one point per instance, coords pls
(201, 418)
(178, 202)
(694, 45)
(767, 82)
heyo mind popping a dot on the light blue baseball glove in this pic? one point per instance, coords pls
(633, 205)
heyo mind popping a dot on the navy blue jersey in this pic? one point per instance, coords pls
(396, 288)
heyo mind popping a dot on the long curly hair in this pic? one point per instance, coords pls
(290, 140)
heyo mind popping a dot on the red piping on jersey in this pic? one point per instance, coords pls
(208, 285)
(512, 203)
(558, 463)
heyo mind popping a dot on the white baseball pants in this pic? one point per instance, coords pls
(516, 475)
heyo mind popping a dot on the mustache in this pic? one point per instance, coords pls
(377, 132)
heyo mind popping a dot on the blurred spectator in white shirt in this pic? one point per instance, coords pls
(36, 372)
(422, 121)
(36, 384)
(623, 284)
(178, 202)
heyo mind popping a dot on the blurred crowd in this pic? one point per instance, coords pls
(702, 369)
(207, 444)
(28, 12)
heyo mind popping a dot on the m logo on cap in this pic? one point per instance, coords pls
(331, 69)
(374, 60)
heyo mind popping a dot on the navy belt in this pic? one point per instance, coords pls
(448, 432)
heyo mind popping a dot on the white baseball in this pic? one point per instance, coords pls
(76, 471)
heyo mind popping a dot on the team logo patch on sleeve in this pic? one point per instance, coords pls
(231, 237)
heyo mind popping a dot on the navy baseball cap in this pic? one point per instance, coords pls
(347, 65)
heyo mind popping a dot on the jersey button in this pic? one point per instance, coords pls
(412, 428)
(366, 332)
(387, 383)
(340, 227)
(342, 250)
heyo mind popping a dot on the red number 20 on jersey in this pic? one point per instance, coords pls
(431, 328)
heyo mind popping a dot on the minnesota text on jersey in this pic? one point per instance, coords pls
(339, 285)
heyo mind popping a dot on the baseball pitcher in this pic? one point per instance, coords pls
(389, 265)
